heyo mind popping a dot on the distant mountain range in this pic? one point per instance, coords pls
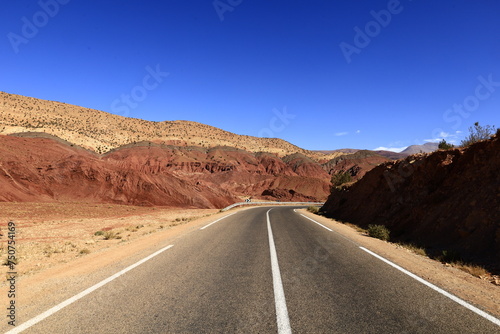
(413, 149)
(426, 148)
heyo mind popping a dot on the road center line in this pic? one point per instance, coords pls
(323, 226)
(435, 288)
(82, 294)
(204, 227)
(279, 294)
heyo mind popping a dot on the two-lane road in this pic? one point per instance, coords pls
(223, 279)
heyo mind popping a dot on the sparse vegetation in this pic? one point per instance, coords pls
(313, 209)
(443, 145)
(108, 235)
(184, 219)
(98, 233)
(84, 251)
(134, 229)
(455, 260)
(356, 227)
(449, 256)
(478, 133)
(82, 127)
(379, 231)
(472, 269)
(48, 251)
(340, 178)
(414, 249)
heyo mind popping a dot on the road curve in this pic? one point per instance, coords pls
(222, 279)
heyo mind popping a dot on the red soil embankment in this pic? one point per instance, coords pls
(42, 169)
(447, 200)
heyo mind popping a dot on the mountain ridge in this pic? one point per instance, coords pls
(425, 148)
(101, 131)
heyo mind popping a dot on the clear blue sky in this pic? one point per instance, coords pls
(243, 63)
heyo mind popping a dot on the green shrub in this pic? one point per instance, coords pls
(98, 233)
(379, 231)
(108, 235)
(340, 178)
(443, 145)
(313, 209)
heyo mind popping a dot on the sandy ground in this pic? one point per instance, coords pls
(58, 248)
(48, 234)
(50, 238)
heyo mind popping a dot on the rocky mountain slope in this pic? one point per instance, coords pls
(101, 131)
(357, 164)
(447, 200)
(41, 167)
(36, 167)
(56, 151)
(59, 172)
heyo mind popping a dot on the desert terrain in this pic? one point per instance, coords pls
(52, 233)
(85, 188)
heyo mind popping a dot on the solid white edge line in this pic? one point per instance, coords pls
(204, 227)
(282, 318)
(329, 229)
(82, 294)
(435, 288)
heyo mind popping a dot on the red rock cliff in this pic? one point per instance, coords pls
(446, 200)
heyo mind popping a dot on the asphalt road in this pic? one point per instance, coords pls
(222, 280)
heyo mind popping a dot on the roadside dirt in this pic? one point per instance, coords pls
(476, 291)
(50, 237)
(48, 234)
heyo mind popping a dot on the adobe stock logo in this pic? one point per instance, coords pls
(471, 103)
(30, 28)
(276, 124)
(221, 7)
(372, 29)
(139, 93)
(484, 90)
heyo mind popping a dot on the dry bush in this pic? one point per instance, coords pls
(472, 269)
(84, 251)
(379, 231)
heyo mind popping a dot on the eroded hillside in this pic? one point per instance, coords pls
(101, 131)
(60, 152)
(36, 167)
(447, 200)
